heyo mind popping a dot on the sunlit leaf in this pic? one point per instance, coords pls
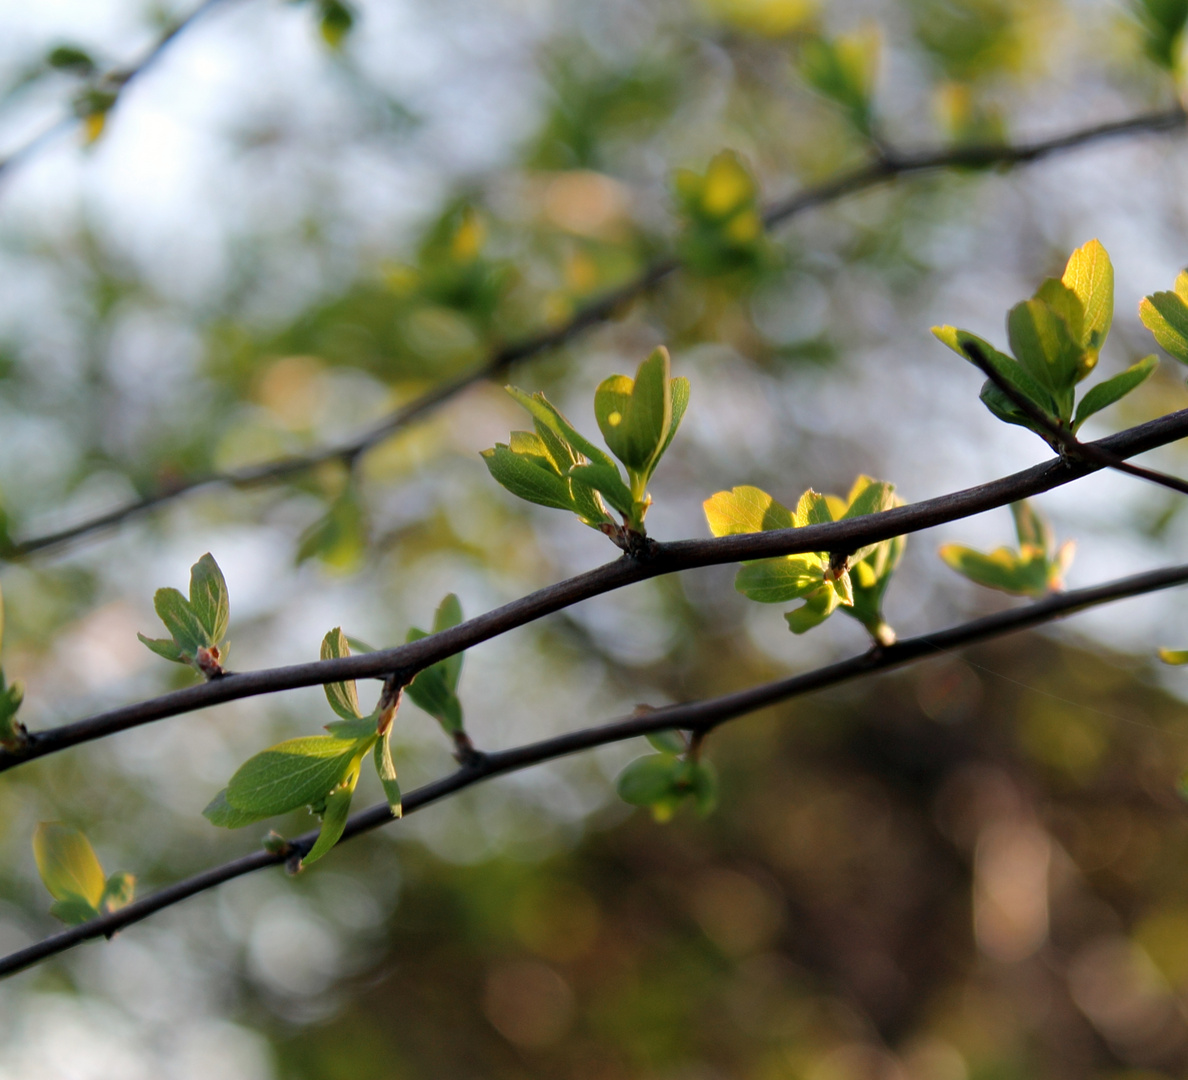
(745, 510)
(1165, 314)
(634, 415)
(1090, 275)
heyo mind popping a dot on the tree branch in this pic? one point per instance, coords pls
(886, 169)
(697, 716)
(114, 81)
(405, 661)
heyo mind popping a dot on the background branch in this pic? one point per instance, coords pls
(694, 716)
(114, 81)
(887, 168)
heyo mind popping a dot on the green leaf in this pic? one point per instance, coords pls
(386, 769)
(339, 537)
(528, 476)
(608, 482)
(298, 772)
(1165, 314)
(343, 696)
(357, 729)
(118, 891)
(164, 647)
(679, 395)
(1031, 528)
(1008, 369)
(71, 58)
(1163, 23)
(336, 22)
(1021, 574)
(334, 818)
(12, 731)
(1174, 656)
(667, 742)
(431, 691)
(702, 784)
(843, 69)
(1113, 389)
(208, 598)
(816, 609)
(72, 910)
(221, 813)
(1090, 275)
(1043, 344)
(634, 415)
(868, 496)
(181, 621)
(647, 780)
(67, 863)
(447, 616)
(745, 510)
(775, 581)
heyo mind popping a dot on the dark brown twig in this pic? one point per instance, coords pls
(698, 717)
(884, 170)
(404, 661)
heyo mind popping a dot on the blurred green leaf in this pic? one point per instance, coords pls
(1162, 23)
(667, 742)
(843, 69)
(118, 891)
(647, 780)
(67, 863)
(336, 21)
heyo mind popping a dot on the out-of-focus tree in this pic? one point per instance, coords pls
(235, 246)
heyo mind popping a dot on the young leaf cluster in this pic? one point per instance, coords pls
(664, 780)
(197, 626)
(318, 771)
(843, 69)
(71, 872)
(856, 582)
(12, 731)
(723, 224)
(557, 466)
(1056, 338)
(1036, 568)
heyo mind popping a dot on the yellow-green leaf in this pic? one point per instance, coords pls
(67, 863)
(745, 510)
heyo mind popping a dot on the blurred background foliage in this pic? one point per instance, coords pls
(306, 214)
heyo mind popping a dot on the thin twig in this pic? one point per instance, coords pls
(114, 81)
(697, 717)
(404, 661)
(1070, 445)
(885, 170)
